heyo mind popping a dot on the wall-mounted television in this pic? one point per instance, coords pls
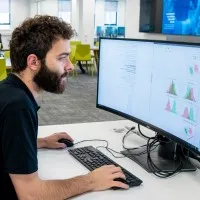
(181, 17)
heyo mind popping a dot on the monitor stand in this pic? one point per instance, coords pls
(166, 157)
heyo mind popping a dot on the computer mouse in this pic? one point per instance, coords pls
(120, 180)
(68, 143)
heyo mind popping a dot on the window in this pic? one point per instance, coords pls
(5, 14)
(65, 10)
(110, 15)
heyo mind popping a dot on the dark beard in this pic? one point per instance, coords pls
(49, 81)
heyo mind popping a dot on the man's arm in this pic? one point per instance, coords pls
(37, 189)
(41, 143)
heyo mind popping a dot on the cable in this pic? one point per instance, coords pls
(154, 168)
(193, 155)
(123, 139)
(134, 148)
(106, 147)
(98, 140)
(152, 143)
(110, 151)
(142, 133)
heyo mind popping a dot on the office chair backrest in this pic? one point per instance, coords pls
(121, 31)
(6, 54)
(83, 52)
(72, 54)
(75, 42)
(3, 73)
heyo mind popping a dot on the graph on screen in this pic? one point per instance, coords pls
(172, 88)
(193, 70)
(171, 106)
(189, 132)
(190, 94)
(189, 113)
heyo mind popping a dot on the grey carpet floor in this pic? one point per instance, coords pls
(76, 105)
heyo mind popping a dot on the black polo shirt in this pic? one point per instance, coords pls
(18, 133)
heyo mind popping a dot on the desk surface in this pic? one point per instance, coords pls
(59, 164)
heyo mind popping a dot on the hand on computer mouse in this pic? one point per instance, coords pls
(107, 177)
(67, 142)
(52, 141)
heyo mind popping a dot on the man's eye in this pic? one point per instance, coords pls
(63, 58)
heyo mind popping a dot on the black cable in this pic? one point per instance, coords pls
(123, 139)
(92, 140)
(154, 168)
(193, 155)
(106, 147)
(110, 151)
(142, 133)
(134, 148)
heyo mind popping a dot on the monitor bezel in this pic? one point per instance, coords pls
(152, 127)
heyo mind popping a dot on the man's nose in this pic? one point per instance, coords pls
(69, 66)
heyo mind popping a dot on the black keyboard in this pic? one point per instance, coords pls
(92, 158)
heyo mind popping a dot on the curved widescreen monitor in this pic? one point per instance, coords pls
(154, 83)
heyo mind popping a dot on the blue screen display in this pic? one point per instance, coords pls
(181, 17)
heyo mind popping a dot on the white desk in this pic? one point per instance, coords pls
(59, 164)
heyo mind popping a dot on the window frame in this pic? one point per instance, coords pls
(112, 24)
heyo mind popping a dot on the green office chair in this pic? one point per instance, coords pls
(83, 54)
(73, 60)
(75, 42)
(6, 54)
(3, 73)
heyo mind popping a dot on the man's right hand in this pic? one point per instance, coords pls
(103, 178)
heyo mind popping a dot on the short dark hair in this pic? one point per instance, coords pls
(36, 36)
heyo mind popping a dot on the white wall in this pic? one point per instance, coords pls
(99, 13)
(121, 13)
(75, 15)
(48, 7)
(43, 7)
(33, 7)
(132, 14)
(20, 9)
(86, 23)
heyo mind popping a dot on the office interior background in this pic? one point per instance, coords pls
(90, 19)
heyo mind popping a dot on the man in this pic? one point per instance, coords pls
(39, 50)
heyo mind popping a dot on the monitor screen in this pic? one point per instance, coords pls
(154, 83)
(181, 17)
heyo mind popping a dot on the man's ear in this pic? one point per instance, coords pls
(33, 62)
